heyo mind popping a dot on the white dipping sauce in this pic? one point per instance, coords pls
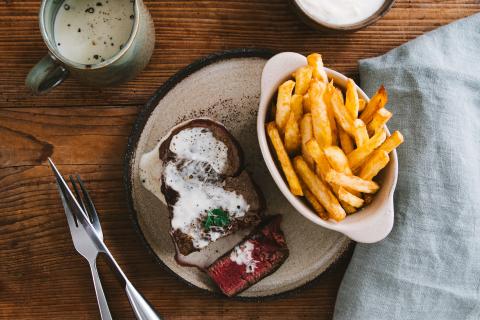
(242, 255)
(151, 172)
(341, 12)
(92, 31)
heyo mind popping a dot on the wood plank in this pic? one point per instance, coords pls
(85, 130)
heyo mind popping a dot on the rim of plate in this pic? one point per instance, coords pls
(129, 157)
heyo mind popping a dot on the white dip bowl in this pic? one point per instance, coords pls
(371, 223)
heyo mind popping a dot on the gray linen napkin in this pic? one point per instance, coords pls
(429, 266)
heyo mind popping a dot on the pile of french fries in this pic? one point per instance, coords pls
(330, 147)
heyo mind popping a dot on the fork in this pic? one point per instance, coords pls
(85, 237)
(85, 247)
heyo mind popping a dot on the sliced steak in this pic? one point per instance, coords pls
(257, 256)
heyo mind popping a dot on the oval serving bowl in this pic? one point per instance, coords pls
(224, 87)
(371, 223)
(318, 24)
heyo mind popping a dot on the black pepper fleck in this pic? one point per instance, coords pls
(90, 10)
(79, 30)
(99, 4)
(66, 6)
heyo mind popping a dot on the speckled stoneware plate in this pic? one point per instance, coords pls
(226, 88)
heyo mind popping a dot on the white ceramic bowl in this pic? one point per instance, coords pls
(309, 18)
(370, 224)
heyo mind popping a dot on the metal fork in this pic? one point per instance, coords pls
(85, 237)
(87, 248)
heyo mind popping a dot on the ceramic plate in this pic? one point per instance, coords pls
(226, 88)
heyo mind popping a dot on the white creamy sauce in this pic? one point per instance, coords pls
(341, 12)
(242, 255)
(199, 144)
(92, 31)
(150, 171)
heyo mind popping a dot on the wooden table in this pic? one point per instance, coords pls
(85, 130)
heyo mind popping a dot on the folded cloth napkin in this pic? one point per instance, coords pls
(429, 265)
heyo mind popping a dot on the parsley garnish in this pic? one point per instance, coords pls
(216, 218)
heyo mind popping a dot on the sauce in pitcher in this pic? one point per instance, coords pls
(90, 32)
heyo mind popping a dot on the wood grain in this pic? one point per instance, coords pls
(85, 130)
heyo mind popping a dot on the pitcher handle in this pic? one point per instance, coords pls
(45, 75)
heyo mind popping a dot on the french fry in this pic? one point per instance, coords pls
(292, 137)
(340, 94)
(337, 159)
(317, 207)
(306, 131)
(283, 104)
(348, 208)
(360, 132)
(306, 103)
(376, 103)
(361, 104)
(351, 99)
(331, 87)
(335, 189)
(341, 113)
(321, 171)
(284, 160)
(339, 162)
(319, 189)
(346, 141)
(321, 124)
(349, 198)
(296, 106)
(392, 142)
(380, 118)
(358, 156)
(331, 115)
(377, 161)
(315, 61)
(303, 75)
(323, 167)
(351, 182)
